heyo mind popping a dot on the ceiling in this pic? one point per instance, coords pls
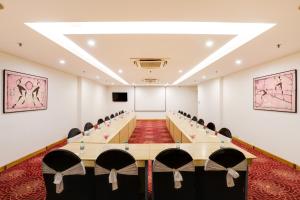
(183, 51)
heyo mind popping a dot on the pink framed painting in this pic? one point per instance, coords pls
(276, 92)
(24, 92)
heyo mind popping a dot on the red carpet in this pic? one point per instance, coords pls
(268, 179)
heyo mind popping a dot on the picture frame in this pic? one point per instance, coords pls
(276, 92)
(24, 92)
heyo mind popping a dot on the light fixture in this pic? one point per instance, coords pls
(91, 43)
(209, 43)
(241, 32)
(62, 62)
(180, 71)
(203, 77)
(238, 62)
(98, 77)
(120, 71)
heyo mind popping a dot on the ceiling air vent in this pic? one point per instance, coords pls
(151, 80)
(150, 63)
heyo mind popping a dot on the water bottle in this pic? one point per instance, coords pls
(81, 147)
(126, 146)
(177, 144)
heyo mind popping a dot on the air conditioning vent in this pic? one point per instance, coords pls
(150, 63)
(151, 80)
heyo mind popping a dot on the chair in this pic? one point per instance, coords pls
(211, 126)
(127, 184)
(184, 114)
(100, 121)
(120, 112)
(106, 118)
(164, 185)
(226, 132)
(77, 184)
(112, 116)
(117, 114)
(88, 126)
(188, 116)
(201, 121)
(215, 184)
(194, 119)
(73, 132)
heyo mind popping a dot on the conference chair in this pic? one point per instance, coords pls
(211, 126)
(117, 114)
(100, 121)
(112, 116)
(188, 116)
(72, 180)
(184, 114)
(201, 121)
(73, 132)
(106, 118)
(226, 132)
(120, 112)
(225, 176)
(88, 126)
(121, 167)
(194, 119)
(168, 166)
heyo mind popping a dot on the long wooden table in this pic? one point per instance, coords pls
(118, 130)
(186, 131)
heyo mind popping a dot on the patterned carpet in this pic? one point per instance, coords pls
(268, 179)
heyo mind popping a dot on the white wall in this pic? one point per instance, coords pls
(25, 132)
(93, 100)
(209, 101)
(276, 132)
(177, 98)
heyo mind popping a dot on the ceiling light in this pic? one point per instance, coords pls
(180, 71)
(120, 71)
(238, 62)
(203, 77)
(98, 77)
(112, 83)
(62, 62)
(209, 43)
(91, 43)
(242, 32)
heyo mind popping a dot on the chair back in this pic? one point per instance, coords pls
(69, 175)
(184, 114)
(194, 119)
(211, 126)
(226, 132)
(100, 121)
(117, 114)
(73, 132)
(121, 165)
(225, 175)
(201, 121)
(173, 175)
(112, 116)
(106, 118)
(188, 116)
(88, 126)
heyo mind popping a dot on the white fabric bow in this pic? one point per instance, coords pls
(231, 172)
(131, 170)
(77, 169)
(160, 167)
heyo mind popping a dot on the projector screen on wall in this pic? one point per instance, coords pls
(150, 99)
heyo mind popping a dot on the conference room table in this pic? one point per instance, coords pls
(200, 143)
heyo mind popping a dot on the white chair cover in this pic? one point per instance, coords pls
(88, 132)
(75, 138)
(160, 167)
(77, 169)
(131, 170)
(224, 138)
(231, 172)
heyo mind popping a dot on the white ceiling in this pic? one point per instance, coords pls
(184, 51)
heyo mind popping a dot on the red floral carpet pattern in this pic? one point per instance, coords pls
(151, 131)
(268, 179)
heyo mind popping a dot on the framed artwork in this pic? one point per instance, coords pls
(276, 92)
(24, 92)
